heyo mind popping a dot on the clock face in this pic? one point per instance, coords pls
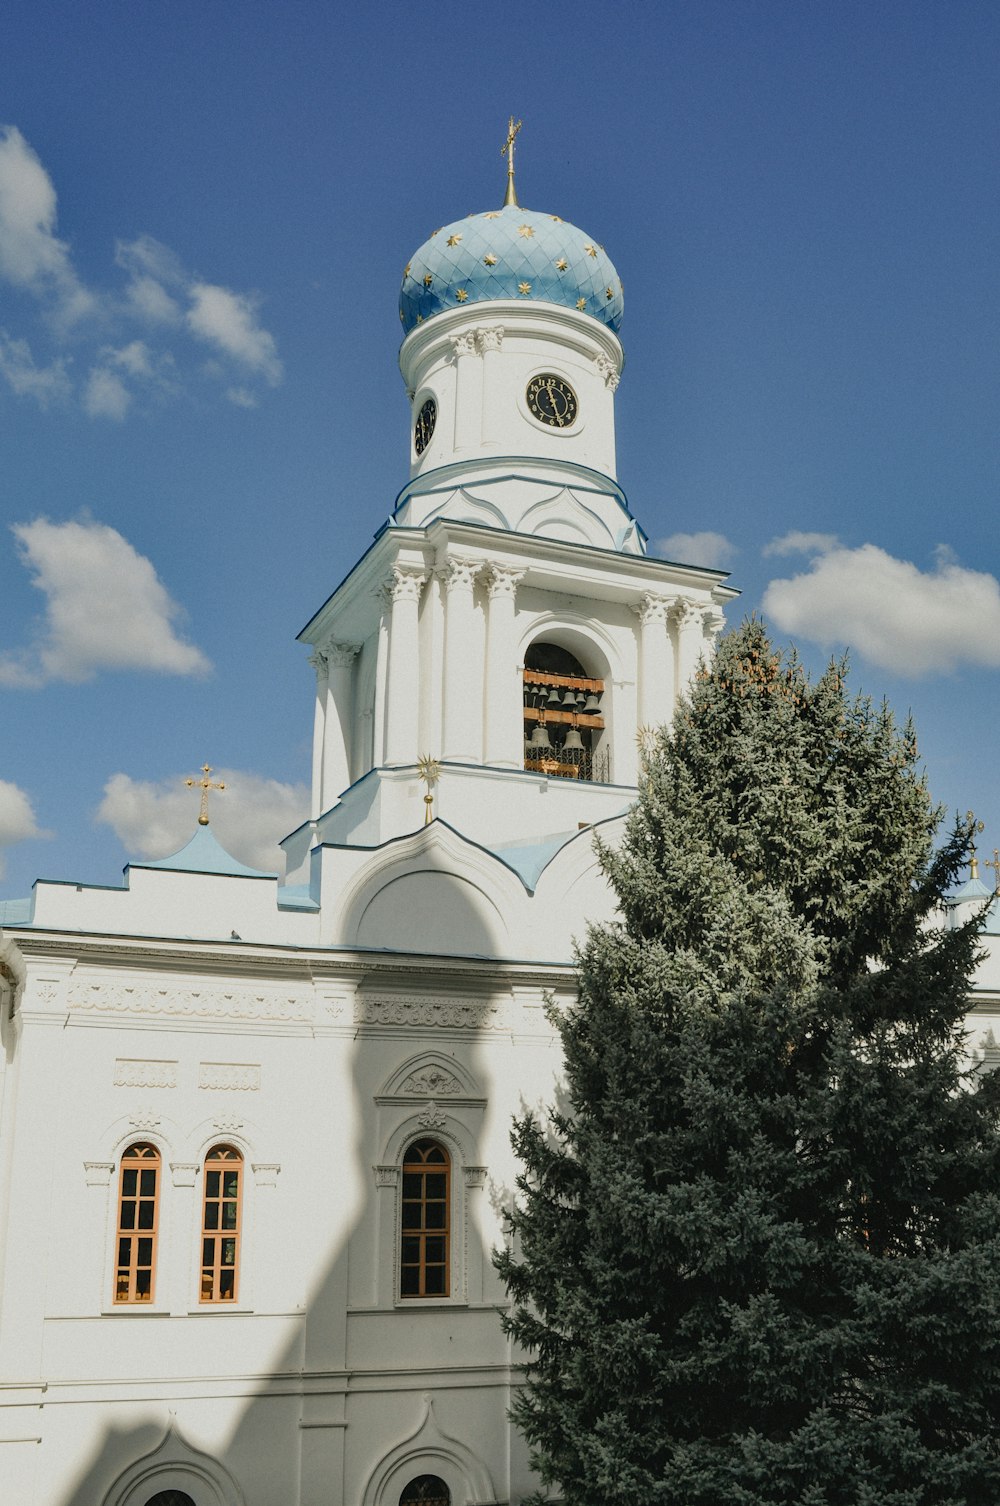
(552, 401)
(424, 426)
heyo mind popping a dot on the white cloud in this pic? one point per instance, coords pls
(31, 256)
(155, 819)
(242, 397)
(106, 395)
(17, 818)
(711, 549)
(152, 268)
(797, 542)
(106, 609)
(228, 321)
(18, 369)
(901, 618)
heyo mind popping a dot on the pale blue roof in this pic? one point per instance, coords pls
(15, 912)
(973, 888)
(203, 854)
(510, 253)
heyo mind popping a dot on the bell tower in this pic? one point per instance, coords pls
(507, 622)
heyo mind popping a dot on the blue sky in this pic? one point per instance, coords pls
(204, 215)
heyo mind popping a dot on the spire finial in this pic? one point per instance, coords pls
(204, 784)
(995, 865)
(429, 770)
(508, 147)
(976, 829)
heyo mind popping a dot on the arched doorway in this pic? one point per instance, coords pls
(563, 717)
(171, 1498)
(425, 1490)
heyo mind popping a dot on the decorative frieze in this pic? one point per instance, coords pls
(227, 1124)
(144, 1119)
(445, 1014)
(475, 1176)
(431, 1082)
(386, 1176)
(183, 1173)
(98, 1173)
(135, 1073)
(229, 1077)
(193, 1003)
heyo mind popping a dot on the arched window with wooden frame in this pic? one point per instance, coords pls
(425, 1490)
(426, 1219)
(138, 1206)
(220, 1224)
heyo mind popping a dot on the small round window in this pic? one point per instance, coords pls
(424, 426)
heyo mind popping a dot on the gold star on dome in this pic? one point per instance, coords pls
(461, 295)
(401, 314)
(437, 231)
(420, 318)
(557, 218)
(524, 287)
(562, 264)
(428, 280)
(581, 304)
(489, 260)
(609, 293)
(526, 231)
(492, 214)
(406, 270)
(453, 240)
(590, 250)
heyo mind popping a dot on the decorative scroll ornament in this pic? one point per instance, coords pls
(196, 1003)
(609, 371)
(144, 1119)
(431, 1082)
(145, 1074)
(432, 1117)
(232, 1077)
(227, 1124)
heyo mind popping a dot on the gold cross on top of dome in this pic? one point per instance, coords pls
(508, 147)
(204, 784)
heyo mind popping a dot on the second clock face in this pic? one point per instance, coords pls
(552, 401)
(424, 426)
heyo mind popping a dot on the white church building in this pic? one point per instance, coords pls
(254, 1129)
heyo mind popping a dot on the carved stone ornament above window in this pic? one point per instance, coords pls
(431, 1082)
(386, 1176)
(432, 1117)
(448, 1014)
(145, 1074)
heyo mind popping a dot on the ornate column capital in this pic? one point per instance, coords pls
(386, 1176)
(651, 608)
(459, 573)
(404, 584)
(502, 580)
(341, 655)
(464, 344)
(609, 371)
(318, 661)
(686, 613)
(489, 339)
(713, 621)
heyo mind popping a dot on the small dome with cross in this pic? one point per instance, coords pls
(510, 253)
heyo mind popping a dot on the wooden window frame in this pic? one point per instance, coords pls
(414, 1236)
(222, 1158)
(130, 1231)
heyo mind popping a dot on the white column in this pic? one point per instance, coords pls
(656, 661)
(489, 342)
(402, 696)
(690, 639)
(713, 621)
(468, 392)
(463, 677)
(318, 661)
(339, 719)
(503, 723)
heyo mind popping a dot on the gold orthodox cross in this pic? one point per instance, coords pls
(508, 147)
(995, 865)
(204, 784)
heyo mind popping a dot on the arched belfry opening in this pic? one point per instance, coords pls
(563, 715)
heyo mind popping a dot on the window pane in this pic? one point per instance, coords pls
(147, 1183)
(434, 1283)
(413, 1184)
(129, 1183)
(409, 1283)
(211, 1215)
(124, 1251)
(436, 1216)
(144, 1255)
(436, 1184)
(411, 1251)
(207, 1251)
(229, 1215)
(434, 1251)
(145, 1215)
(229, 1183)
(227, 1285)
(411, 1215)
(212, 1180)
(143, 1285)
(128, 1216)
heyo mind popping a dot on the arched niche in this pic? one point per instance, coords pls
(566, 694)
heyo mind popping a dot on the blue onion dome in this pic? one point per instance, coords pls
(510, 253)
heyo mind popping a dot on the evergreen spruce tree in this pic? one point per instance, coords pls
(756, 1256)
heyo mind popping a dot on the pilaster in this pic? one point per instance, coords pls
(503, 725)
(657, 687)
(339, 719)
(463, 679)
(402, 700)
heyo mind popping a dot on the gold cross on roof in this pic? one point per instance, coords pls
(995, 865)
(508, 147)
(976, 829)
(204, 784)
